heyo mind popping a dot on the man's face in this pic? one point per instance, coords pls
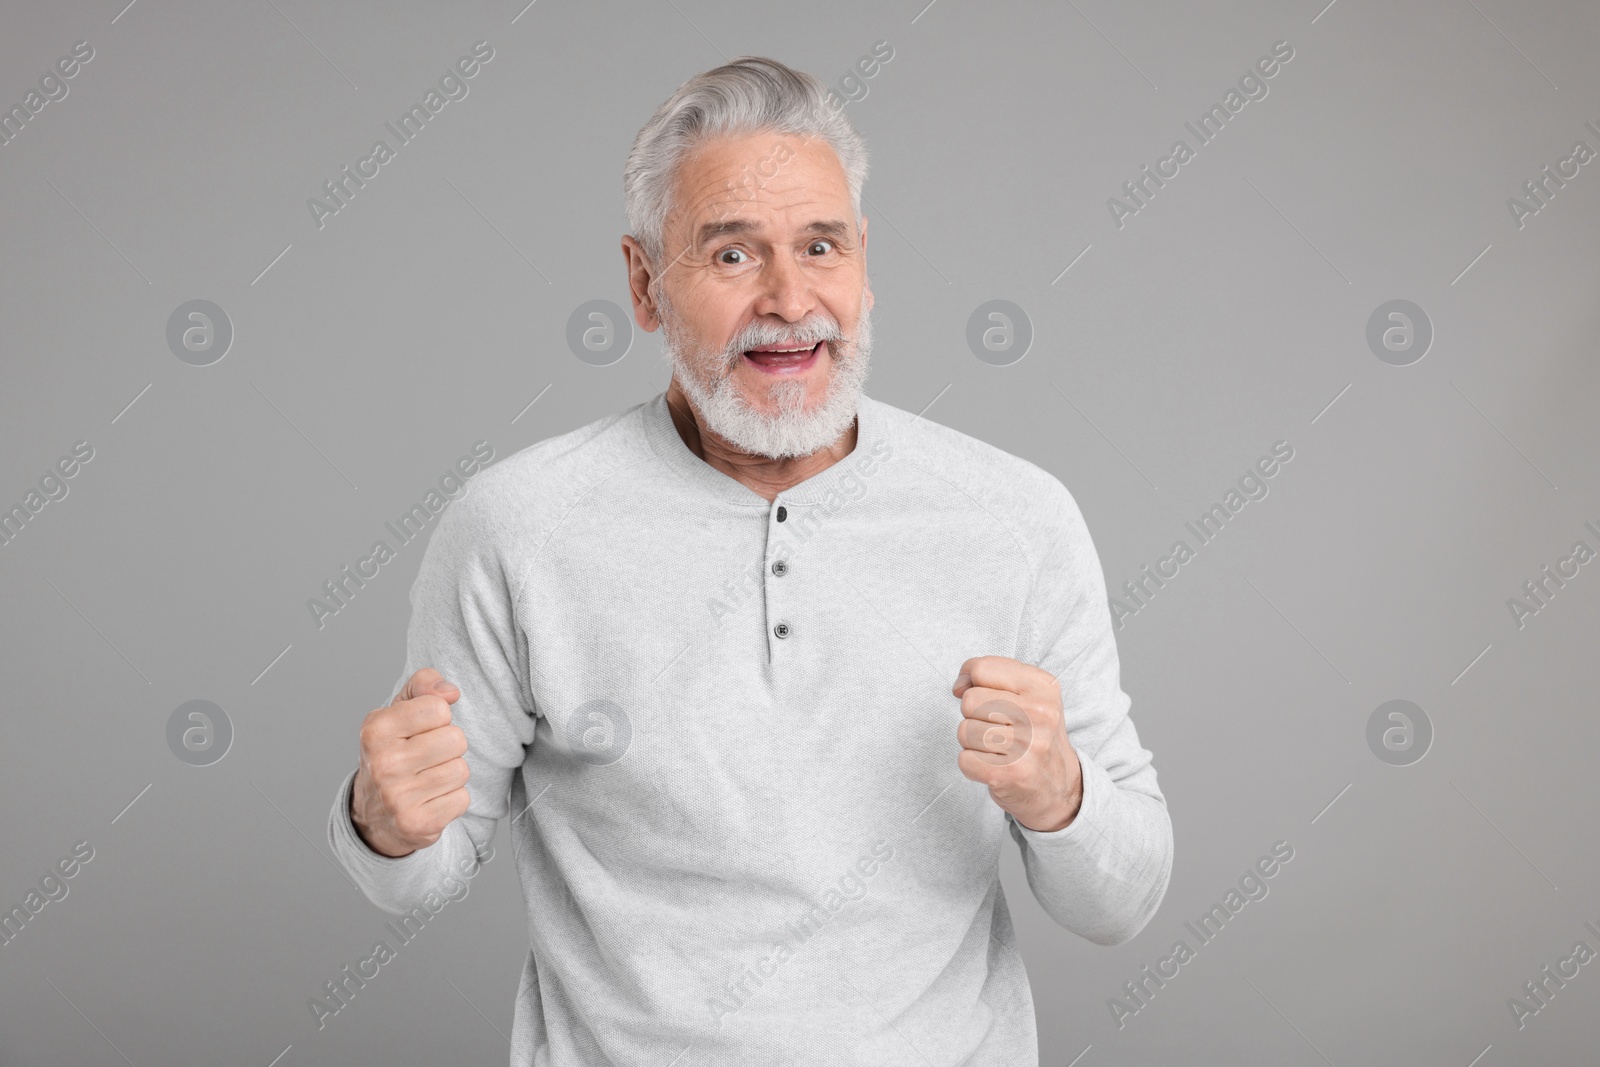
(762, 252)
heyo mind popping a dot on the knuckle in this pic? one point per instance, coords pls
(1001, 707)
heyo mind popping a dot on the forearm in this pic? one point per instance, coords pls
(1104, 874)
(398, 885)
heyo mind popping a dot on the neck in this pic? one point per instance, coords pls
(763, 475)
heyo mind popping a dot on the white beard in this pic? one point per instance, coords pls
(793, 431)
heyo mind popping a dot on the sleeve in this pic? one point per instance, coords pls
(463, 624)
(1103, 875)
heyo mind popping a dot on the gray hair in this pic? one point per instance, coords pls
(748, 95)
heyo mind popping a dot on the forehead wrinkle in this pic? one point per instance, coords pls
(756, 215)
(715, 196)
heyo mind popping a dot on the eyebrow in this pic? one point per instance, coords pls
(834, 228)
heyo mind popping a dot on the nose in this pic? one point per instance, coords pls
(785, 290)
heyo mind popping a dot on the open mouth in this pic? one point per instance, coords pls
(783, 359)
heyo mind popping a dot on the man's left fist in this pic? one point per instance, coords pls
(1014, 741)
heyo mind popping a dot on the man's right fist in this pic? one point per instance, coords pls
(411, 783)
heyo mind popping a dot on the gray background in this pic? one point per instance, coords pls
(1228, 314)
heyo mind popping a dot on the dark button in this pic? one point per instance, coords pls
(783, 513)
(781, 630)
(780, 568)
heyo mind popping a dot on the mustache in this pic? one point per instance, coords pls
(805, 332)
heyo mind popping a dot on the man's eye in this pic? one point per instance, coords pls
(730, 252)
(827, 246)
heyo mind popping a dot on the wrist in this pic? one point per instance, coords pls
(368, 834)
(1060, 818)
(1065, 811)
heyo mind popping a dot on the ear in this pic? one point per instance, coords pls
(639, 276)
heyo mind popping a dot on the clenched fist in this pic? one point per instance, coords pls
(411, 783)
(1014, 740)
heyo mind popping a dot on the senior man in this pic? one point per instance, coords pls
(762, 671)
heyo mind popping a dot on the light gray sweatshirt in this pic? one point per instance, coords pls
(724, 735)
